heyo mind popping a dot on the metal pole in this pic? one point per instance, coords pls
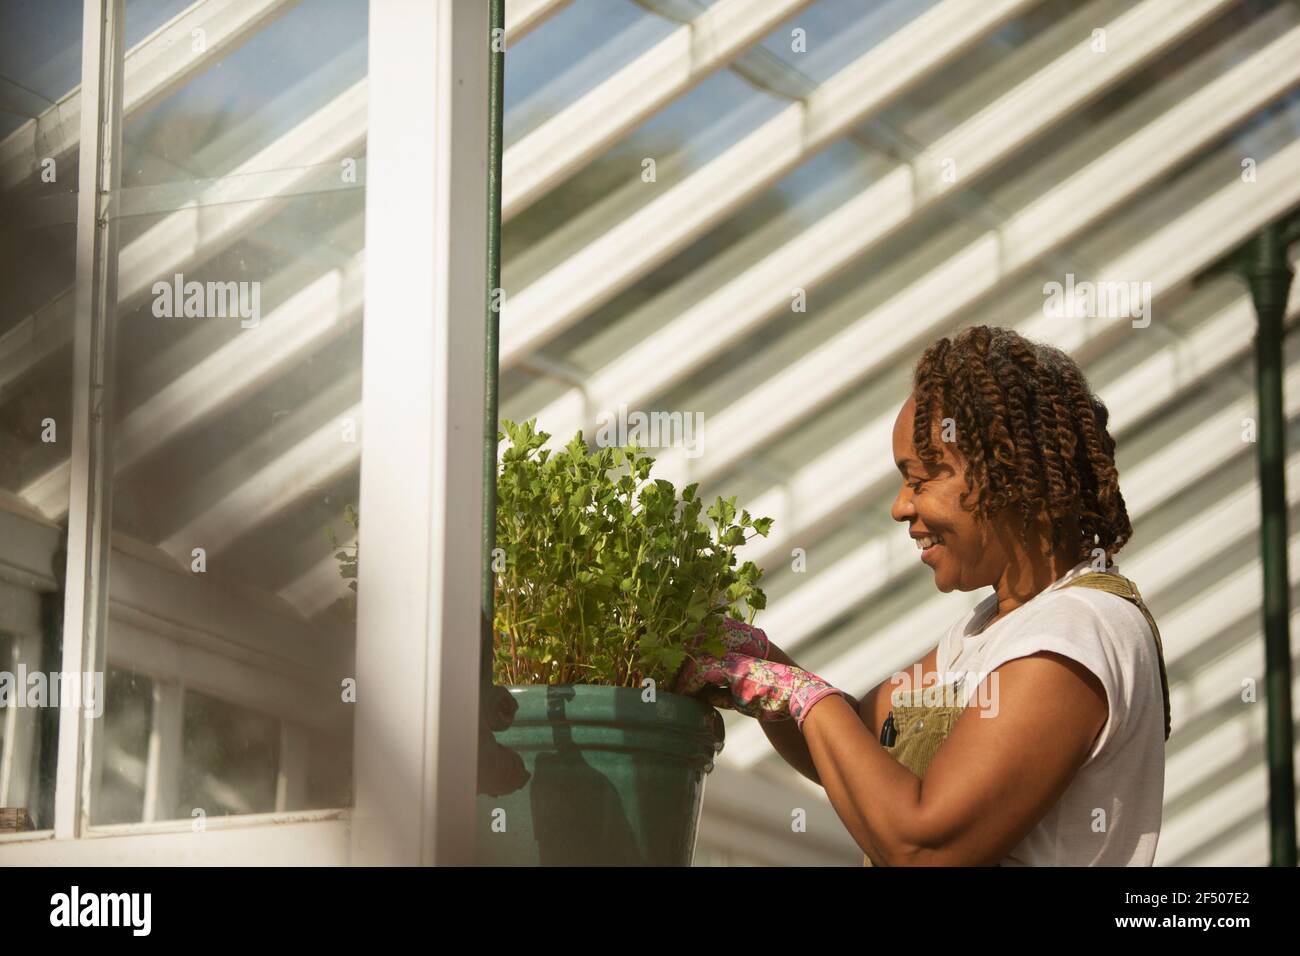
(1266, 269)
(500, 770)
(496, 80)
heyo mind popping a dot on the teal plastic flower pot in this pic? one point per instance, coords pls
(615, 780)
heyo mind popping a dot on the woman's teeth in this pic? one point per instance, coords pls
(923, 543)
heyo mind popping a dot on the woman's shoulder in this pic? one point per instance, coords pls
(1095, 606)
(1112, 625)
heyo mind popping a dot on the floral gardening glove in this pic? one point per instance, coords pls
(742, 638)
(736, 636)
(757, 688)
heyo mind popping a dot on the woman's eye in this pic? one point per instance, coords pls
(915, 485)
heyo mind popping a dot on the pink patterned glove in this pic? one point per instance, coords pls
(757, 688)
(736, 636)
(742, 638)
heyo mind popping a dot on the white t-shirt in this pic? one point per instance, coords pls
(1111, 812)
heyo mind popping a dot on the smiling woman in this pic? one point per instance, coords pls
(1020, 492)
(1020, 436)
(1048, 747)
(1033, 733)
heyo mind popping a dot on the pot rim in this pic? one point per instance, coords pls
(607, 704)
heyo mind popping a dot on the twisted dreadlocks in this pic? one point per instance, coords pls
(1032, 434)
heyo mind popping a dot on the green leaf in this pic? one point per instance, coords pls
(734, 537)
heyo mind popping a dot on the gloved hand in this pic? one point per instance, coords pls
(757, 688)
(742, 638)
(736, 636)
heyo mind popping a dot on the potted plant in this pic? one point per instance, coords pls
(607, 581)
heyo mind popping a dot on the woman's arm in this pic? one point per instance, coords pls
(996, 776)
(790, 743)
(785, 737)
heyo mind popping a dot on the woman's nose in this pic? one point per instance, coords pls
(902, 508)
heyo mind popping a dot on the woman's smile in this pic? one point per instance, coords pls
(929, 545)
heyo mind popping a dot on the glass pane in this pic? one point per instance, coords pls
(598, 37)
(831, 34)
(787, 302)
(123, 776)
(236, 428)
(40, 49)
(143, 17)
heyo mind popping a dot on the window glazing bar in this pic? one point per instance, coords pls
(90, 513)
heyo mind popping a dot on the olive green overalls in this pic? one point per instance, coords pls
(913, 732)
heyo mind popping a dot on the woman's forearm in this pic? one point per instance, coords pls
(877, 798)
(784, 735)
(894, 803)
(787, 741)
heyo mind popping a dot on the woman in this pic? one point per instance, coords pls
(1033, 733)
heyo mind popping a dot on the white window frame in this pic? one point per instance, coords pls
(417, 643)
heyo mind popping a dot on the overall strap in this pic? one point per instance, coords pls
(1117, 584)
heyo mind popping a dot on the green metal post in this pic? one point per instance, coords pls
(496, 82)
(500, 770)
(1264, 265)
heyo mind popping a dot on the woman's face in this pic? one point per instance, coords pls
(967, 553)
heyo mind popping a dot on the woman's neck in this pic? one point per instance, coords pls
(1024, 579)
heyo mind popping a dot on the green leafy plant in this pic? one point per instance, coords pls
(347, 558)
(604, 574)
